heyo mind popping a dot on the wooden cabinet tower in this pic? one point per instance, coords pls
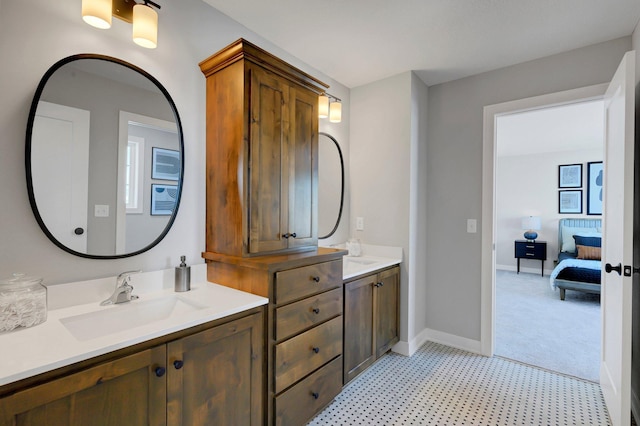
(262, 178)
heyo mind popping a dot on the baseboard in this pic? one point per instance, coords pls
(526, 269)
(635, 405)
(427, 335)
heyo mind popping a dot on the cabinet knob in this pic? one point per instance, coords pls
(315, 349)
(160, 371)
(78, 231)
(178, 364)
(287, 235)
(316, 311)
(316, 279)
(293, 235)
(315, 395)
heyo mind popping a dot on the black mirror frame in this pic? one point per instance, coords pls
(32, 113)
(335, 228)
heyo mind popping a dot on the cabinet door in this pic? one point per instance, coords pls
(215, 376)
(127, 391)
(303, 168)
(386, 301)
(359, 350)
(268, 162)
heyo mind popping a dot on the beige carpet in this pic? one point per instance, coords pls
(535, 327)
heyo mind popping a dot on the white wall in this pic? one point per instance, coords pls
(454, 170)
(189, 31)
(388, 182)
(527, 185)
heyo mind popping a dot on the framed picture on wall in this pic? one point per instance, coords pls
(570, 202)
(594, 187)
(570, 176)
(163, 199)
(165, 164)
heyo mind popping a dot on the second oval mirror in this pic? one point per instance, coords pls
(104, 157)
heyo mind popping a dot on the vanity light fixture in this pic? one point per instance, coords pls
(142, 15)
(330, 106)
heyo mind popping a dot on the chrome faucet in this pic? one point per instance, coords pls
(123, 290)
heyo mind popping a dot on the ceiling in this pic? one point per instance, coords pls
(572, 127)
(357, 42)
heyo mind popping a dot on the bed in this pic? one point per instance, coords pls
(579, 266)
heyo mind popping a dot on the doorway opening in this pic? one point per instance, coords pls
(542, 155)
(490, 245)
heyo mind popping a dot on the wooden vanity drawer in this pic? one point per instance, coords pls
(298, 316)
(301, 282)
(302, 354)
(298, 404)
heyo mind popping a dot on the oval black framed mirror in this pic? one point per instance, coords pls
(330, 189)
(104, 157)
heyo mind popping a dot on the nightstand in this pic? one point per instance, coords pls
(531, 250)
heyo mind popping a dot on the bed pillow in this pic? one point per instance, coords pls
(589, 252)
(584, 240)
(568, 244)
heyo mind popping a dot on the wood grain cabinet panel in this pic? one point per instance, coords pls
(126, 391)
(306, 313)
(306, 281)
(212, 377)
(309, 396)
(215, 376)
(262, 153)
(371, 319)
(302, 354)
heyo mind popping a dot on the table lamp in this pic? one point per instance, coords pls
(531, 224)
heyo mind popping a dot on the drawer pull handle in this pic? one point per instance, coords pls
(531, 246)
(292, 235)
(315, 349)
(178, 364)
(160, 371)
(315, 395)
(316, 279)
(316, 311)
(530, 254)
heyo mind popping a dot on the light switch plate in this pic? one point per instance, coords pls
(472, 226)
(101, 210)
(359, 223)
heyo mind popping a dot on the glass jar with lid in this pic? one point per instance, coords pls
(23, 302)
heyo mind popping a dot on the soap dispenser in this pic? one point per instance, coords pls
(183, 276)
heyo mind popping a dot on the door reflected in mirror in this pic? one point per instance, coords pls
(101, 134)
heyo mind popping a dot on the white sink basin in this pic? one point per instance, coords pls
(354, 265)
(124, 316)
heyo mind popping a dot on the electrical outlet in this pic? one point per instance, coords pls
(359, 223)
(472, 226)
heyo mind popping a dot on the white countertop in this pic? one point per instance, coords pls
(26, 352)
(372, 259)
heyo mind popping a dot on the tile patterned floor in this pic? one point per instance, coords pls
(440, 385)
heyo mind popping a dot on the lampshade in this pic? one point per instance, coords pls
(145, 26)
(323, 106)
(531, 224)
(97, 13)
(335, 112)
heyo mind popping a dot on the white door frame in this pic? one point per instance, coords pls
(488, 259)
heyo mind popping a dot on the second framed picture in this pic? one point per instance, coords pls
(594, 187)
(570, 202)
(570, 176)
